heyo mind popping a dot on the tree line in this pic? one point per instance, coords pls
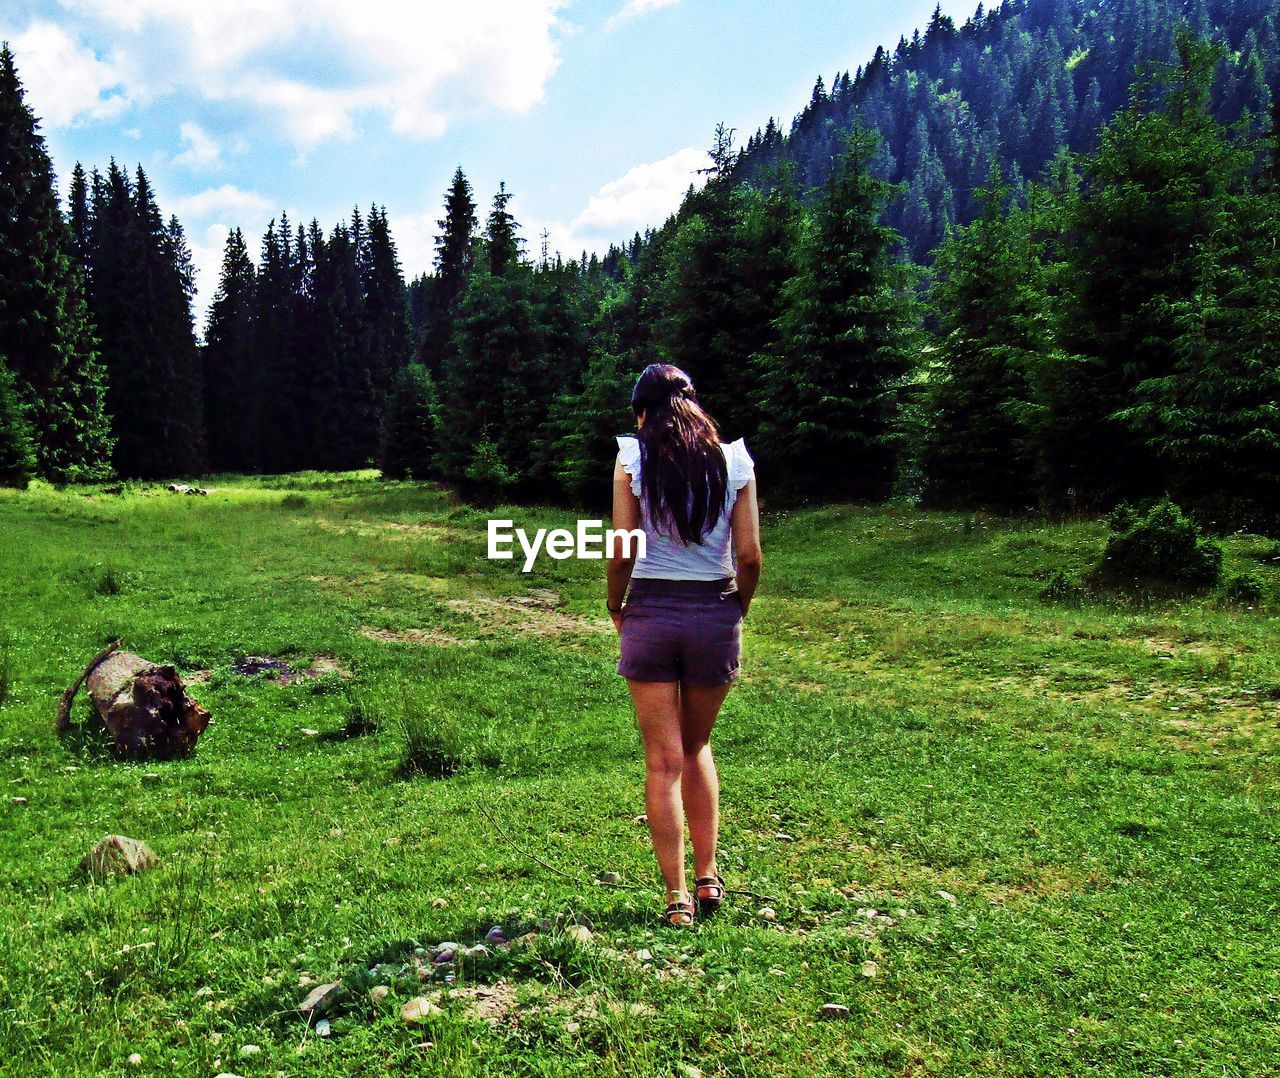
(1105, 332)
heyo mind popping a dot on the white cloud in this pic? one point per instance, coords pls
(223, 201)
(201, 152)
(645, 196)
(633, 9)
(314, 66)
(67, 83)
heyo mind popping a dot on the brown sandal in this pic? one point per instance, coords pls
(679, 913)
(710, 903)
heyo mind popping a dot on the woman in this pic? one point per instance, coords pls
(681, 624)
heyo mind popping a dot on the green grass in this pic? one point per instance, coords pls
(1092, 784)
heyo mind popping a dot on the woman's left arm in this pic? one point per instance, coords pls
(626, 517)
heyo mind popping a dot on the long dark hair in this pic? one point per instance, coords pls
(682, 468)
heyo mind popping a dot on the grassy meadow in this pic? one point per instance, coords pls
(1018, 836)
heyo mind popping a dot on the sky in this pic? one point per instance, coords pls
(597, 114)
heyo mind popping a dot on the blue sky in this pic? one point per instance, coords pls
(596, 113)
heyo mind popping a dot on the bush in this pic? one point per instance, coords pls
(1161, 546)
(1245, 589)
(1061, 588)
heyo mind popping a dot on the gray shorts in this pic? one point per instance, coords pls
(682, 630)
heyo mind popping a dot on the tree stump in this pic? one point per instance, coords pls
(142, 704)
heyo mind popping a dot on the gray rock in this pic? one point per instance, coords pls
(768, 913)
(321, 999)
(322, 1027)
(833, 1011)
(248, 1051)
(19, 800)
(378, 993)
(418, 1010)
(117, 855)
(495, 935)
(578, 933)
(609, 877)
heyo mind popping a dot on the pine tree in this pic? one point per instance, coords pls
(141, 299)
(385, 305)
(454, 252)
(829, 398)
(44, 325)
(989, 294)
(501, 237)
(17, 453)
(1153, 195)
(230, 383)
(409, 447)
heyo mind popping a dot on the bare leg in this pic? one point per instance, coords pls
(658, 715)
(700, 786)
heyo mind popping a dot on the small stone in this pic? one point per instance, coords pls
(495, 935)
(309, 733)
(609, 877)
(833, 1010)
(767, 914)
(642, 819)
(571, 1026)
(690, 1071)
(151, 777)
(442, 958)
(335, 832)
(868, 968)
(19, 801)
(321, 999)
(578, 933)
(248, 1051)
(947, 896)
(782, 836)
(644, 954)
(478, 951)
(118, 855)
(418, 1010)
(378, 993)
(439, 903)
(322, 1027)
(135, 1060)
(775, 817)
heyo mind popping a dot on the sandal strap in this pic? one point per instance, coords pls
(682, 908)
(710, 881)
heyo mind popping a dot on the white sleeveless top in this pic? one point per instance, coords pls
(668, 557)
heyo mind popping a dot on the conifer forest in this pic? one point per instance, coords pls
(1027, 262)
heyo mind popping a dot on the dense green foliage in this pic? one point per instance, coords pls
(44, 327)
(1093, 787)
(409, 447)
(17, 451)
(140, 292)
(1095, 325)
(1159, 546)
(1014, 86)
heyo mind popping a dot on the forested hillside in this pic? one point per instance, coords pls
(1014, 86)
(1100, 325)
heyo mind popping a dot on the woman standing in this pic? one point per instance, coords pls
(681, 623)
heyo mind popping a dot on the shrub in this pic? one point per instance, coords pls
(294, 501)
(1062, 588)
(1244, 589)
(1161, 546)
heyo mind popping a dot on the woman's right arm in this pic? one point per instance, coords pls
(745, 524)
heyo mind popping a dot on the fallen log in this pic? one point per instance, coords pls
(143, 705)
